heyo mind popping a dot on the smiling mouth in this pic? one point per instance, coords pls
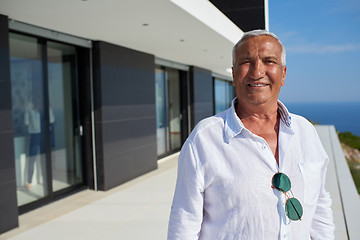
(258, 85)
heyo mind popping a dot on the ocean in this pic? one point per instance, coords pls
(344, 115)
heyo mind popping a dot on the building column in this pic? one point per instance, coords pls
(125, 113)
(201, 94)
(8, 200)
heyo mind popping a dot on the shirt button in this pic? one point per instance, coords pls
(263, 147)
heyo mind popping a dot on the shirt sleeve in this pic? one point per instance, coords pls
(323, 224)
(187, 209)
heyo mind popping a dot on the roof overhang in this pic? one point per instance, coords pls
(191, 32)
(246, 14)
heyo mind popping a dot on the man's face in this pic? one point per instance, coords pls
(258, 73)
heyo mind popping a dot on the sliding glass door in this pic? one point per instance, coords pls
(168, 110)
(28, 118)
(64, 129)
(45, 117)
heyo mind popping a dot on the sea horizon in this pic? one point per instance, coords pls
(345, 116)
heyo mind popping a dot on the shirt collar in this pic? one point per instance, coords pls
(284, 114)
(234, 126)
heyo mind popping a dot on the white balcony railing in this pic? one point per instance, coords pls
(340, 184)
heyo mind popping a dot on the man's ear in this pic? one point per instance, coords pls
(283, 76)
(233, 75)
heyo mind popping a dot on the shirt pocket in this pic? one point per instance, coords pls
(311, 173)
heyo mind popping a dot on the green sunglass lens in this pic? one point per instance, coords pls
(293, 209)
(281, 181)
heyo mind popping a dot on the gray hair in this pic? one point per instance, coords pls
(256, 33)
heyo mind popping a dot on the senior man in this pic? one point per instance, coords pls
(254, 171)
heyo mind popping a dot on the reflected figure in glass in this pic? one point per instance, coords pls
(34, 122)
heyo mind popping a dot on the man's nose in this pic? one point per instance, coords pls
(257, 70)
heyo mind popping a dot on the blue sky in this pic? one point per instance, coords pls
(322, 41)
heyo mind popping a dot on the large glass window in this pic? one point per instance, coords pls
(174, 109)
(64, 139)
(224, 93)
(46, 123)
(28, 117)
(161, 116)
(168, 110)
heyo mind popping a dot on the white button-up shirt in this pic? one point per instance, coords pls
(224, 188)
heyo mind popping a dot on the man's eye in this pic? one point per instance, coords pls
(270, 61)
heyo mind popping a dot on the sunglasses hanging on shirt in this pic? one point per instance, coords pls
(293, 208)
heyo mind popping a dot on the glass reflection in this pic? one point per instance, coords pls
(174, 109)
(46, 139)
(65, 141)
(161, 120)
(168, 111)
(28, 118)
(224, 94)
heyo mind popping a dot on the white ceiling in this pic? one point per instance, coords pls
(185, 36)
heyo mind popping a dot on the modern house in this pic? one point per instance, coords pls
(93, 92)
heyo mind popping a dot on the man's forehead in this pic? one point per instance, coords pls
(263, 39)
(264, 43)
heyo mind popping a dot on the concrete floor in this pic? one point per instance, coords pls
(136, 210)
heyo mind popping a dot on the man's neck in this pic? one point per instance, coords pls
(258, 122)
(258, 113)
(264, 122)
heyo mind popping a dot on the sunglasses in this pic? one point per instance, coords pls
(293, 208)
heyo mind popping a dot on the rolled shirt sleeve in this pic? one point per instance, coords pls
(187, 209)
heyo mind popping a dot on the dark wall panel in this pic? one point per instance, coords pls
(8, 202)
(202, 94)
(125, 116)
